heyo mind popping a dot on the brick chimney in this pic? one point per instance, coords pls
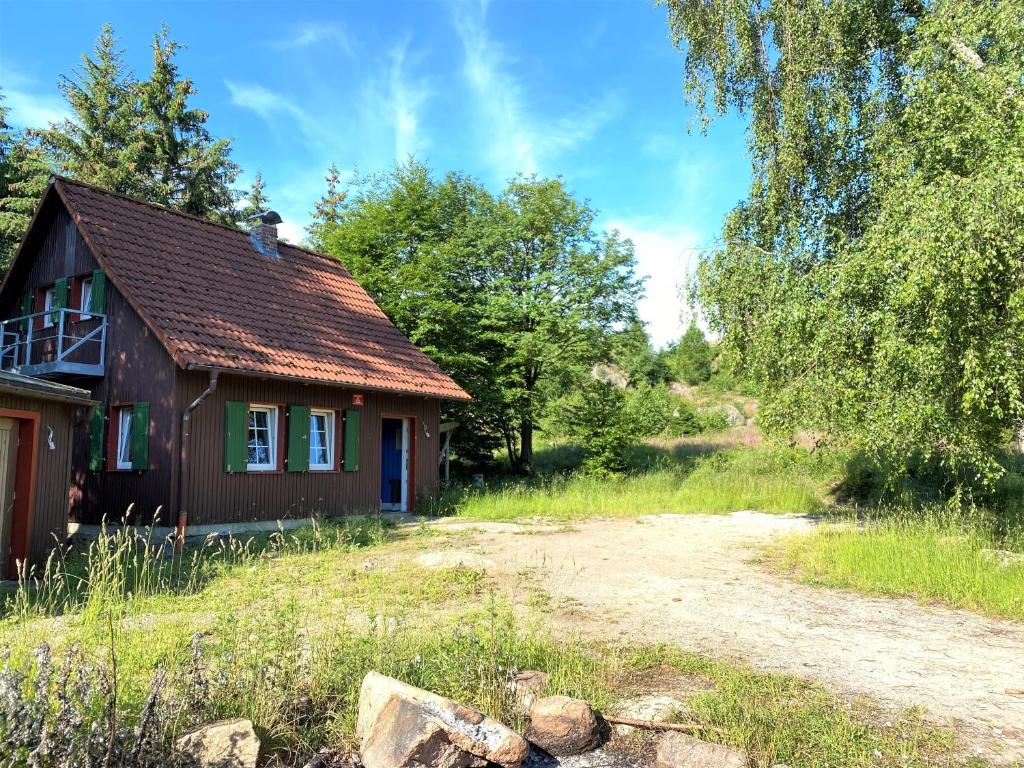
(264, 233)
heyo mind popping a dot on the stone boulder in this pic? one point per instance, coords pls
(730, 413)
(401, 726)
(225, 744)
(609, 373)
(563, 726)
(678, 750)
(1004, 558)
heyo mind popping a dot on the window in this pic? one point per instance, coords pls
(321, 440)
(48, 298)
(262, 437)
(124, 438)
(86, 298)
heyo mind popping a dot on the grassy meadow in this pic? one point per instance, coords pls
(678, 477)
(281, 630)
(927, 555)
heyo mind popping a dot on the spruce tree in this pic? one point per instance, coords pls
(328, 209)
(256, 202)
(24, 174)
(185, 167)
(102, 142)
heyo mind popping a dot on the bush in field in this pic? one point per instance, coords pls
(595, 414)
(656, 412)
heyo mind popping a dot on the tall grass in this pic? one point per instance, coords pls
(663, 479)
(932, 554)
(125, 565)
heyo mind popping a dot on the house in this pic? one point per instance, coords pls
(240, 378)
(37, 423)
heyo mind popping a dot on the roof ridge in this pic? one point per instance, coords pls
(192, 216)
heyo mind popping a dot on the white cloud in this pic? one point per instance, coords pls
(29, 105)
(292, 231)
(397, 100)
(311, 33)
(515, 139)
(269, 104)
(666, 255)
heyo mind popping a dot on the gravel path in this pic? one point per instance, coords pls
(690, 580)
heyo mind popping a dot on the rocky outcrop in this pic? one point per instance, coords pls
(563, 726)
(677, 750)
(401, 726)
(225, 744)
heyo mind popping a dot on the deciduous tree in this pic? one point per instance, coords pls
(871, 282)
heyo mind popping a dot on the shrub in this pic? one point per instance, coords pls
(656, 412)
(595, 414)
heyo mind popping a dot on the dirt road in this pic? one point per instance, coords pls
(690, 580)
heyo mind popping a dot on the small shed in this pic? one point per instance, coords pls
(37, 422)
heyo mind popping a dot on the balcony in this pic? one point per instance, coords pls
(60, 341)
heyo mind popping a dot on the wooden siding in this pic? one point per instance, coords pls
(216, 496)
(137, 368)
(49, 522)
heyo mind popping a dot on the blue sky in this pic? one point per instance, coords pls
(591, 92)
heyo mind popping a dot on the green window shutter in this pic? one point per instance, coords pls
(236, 437)
(140, 436)
(98, 297)
(298, 438)
(352, 418)
(26, 309)
(96, 440)
(60, 297)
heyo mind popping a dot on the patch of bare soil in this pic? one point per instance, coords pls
(691, 580)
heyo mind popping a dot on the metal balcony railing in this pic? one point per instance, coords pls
(58, 341)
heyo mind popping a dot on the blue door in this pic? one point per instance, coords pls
(391, 451)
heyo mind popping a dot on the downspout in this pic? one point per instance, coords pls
(186, 444)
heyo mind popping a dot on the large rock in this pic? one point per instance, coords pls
(730, 413)
(677, 750)
(609, 373)
(1004, 558)
(226, 744)
(401, 726)
(563, 726)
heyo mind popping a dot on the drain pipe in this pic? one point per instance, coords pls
(186, 444)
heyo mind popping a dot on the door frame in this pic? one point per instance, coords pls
(26, 466)
(408, 462)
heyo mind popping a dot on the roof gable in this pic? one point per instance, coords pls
(214, 301)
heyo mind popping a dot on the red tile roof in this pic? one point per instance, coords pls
(216, 302)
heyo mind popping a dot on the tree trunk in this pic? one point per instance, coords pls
(526, 446)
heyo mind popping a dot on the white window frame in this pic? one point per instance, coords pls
(48, 296)
(272, 422)
(329, 426)
(85, 298)
(124, 437)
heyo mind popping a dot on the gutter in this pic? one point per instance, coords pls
(186, 445)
